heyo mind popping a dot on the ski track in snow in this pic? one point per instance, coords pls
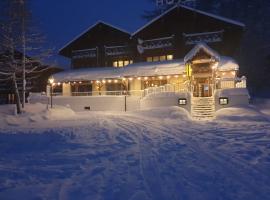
(132, 157)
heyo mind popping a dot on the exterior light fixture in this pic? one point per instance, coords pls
(160, 77)
(130, 79)
(168, 77)
(223, 73)
(115, 81)
(182, 101)
(184, 75)
(139, 78)
(145, 78)
(109, 81)
(176, 76)
(223, 100)
(51, 81)
(80, 82)
(103, 81)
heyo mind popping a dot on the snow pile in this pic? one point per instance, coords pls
(169, 113)
(60, 113)
(239, 114)
(37, 113)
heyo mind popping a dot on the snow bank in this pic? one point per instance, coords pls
(163, 113)
(244, 114)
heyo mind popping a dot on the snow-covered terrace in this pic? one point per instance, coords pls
(174, 67)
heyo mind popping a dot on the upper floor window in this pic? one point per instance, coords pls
(122, 63)
(159, 58)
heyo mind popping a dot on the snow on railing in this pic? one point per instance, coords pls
(232, 83)
(177, 87)
(109, 93)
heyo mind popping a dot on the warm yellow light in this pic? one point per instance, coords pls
(109, 81)
(160, 77)
(115, 81)
(145, 78)
(97, 81)
(58, 83)
(233, 73)
(80, 82)
(130, 79)
(168, 77)
(139, 78)
(51, 80)
(169, 57)
(223, 73)
(124, 79)
(74, 82)
(184, 75)
(176, 76)
(53, 84)
(103, 81)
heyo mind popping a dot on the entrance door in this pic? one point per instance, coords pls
(202, 87)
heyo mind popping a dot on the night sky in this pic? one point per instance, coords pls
(62, 20)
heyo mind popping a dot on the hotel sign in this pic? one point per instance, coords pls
(172, 2)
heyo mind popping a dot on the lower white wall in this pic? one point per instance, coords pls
(96, 103)
(165, 99)
(236, 96)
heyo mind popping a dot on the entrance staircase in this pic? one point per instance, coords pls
(203, 108)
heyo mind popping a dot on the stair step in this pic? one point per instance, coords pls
(203, 108)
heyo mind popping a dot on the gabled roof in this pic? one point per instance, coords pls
(89, 29)
(227, 20)
(197, 48)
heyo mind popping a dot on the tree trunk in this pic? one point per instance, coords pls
(16, 91)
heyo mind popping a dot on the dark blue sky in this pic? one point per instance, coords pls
(62, 20)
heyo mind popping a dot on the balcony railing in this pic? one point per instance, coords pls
(207, 37)
(85, 53)
(117, 50)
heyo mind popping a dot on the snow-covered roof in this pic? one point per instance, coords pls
(230, 21)
(227, 64)
(197, 48)
(89, 28)
(136, 70)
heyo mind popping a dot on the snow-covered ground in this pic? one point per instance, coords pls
(151, 154)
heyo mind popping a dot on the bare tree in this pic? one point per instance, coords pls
(16, 38)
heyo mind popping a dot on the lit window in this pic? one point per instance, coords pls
(149, 59)
(115, 64)
(169, 57)
(162, 58)
(120, 63)
(182, 101)
(131, 62)
(126, 62)
(156, 58)
(223, 101)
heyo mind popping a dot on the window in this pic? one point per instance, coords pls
(182, 101)
(149, 59)
(169, 57)
(159, 58)
(223, 101)
(122, 63)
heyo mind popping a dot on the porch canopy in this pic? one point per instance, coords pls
(144, 69)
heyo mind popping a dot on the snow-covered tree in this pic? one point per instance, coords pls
(18, 38)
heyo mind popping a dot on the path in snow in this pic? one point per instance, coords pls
(136, 157)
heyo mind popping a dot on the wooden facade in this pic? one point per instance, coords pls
(169, 36)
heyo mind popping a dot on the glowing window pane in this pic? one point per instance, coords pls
(120, 63)
(131, 61)
(169, 57)
(115, 64)
(223, 101)
(149, 59)
(156, 58)
(126, 62)
(162, 58)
